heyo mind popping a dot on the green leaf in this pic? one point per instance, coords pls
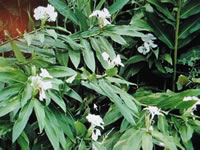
(41, 37)
(18, 54)
(54, 123)
(28, 38)
(135, 59)
(51, 133)
(63, 58)
(82, 20)
(117, 6)
(167, 58)
(61, 71)
(88, 55)
(96, 47)
(169, 141)
(26, 95)
(189, 26)
(110, 92)
(115, 37)
(186, 132)
(7, 92)
(192, 53)
(72, 43)
(98, 145)
(147, 143)
(130, 139)
(75, 57)
(57, 99)
(183, 80)
(159, 30)
(22, 120)
(162, 8)
(40, 114)
(100, 4)
(163, 125)
(127, 30)
(63, 9)
(112, 115)
(73, 94)
(107, 47)
(112, 72)
(52, 33)
(23, 141)
(9, 105)
(190, 8)
(80, 129)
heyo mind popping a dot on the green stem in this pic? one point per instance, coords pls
(176, 43)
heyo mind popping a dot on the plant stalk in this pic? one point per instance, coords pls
(176, 44)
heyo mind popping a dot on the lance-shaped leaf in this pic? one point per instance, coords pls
(88, 55)
(22, 120)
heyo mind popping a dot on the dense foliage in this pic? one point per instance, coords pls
(134, 64)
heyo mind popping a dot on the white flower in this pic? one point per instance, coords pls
(148, 44)
(39, 13)
(154, 111)
(143, 50)
(95, 120)
(48, 13)
(45, 74)
(38, 83)
(102, 16)
(148, 37)
(117, 61)
(50, 10)
(95, 134)
(43, 86)
(105, 56)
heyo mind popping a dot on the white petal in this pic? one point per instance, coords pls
(106, 13)
(45, 74)
(39, 13)
(151, 44)
(42, 94)
(117, 61)
(105, 56)
(95, 13)
(147, 47)
(45, 85)
(105, 22)
(95, 120)
(96, 133)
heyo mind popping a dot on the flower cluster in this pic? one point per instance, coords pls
(96, 121)
(103, 16)
(48, 13)
(148, 44)
(154, 111)
(115, 62)
(38, 83)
